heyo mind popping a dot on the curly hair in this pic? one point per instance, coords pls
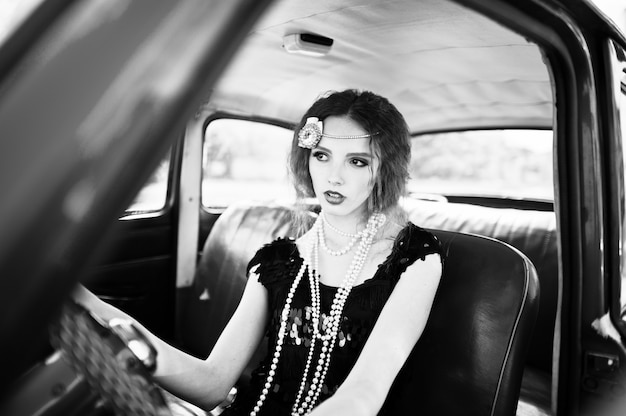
(391, 144)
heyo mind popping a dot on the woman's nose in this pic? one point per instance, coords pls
(335, 176)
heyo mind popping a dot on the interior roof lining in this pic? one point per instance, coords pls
(469, 73)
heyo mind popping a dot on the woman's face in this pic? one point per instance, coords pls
(342, 169)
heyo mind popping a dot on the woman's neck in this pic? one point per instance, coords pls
(343, 226)
(348, 224)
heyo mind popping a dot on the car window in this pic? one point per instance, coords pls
(491, 163)
(12, 14)
(152, 197)
(245, 160)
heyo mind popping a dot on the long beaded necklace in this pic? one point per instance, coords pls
(337, 230)
(336, 253)
(322, 238)
(329, 334)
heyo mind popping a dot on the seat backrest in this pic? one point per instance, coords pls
(471, 357)
(220, 275)
(532, 232)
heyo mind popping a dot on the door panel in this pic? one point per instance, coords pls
(138, 273)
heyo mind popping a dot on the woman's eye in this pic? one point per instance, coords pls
(321, 156)
(359, 162)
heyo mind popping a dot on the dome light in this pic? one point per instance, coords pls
(307, 44)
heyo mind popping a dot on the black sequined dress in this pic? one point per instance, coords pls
(277, 265)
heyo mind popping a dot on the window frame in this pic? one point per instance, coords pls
(615, 57)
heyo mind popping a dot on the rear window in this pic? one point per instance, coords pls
(490, 163)
(247, 160)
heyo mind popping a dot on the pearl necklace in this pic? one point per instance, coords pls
(322, 237)
(329, 335)
(337, 230)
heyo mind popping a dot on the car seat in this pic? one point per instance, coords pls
(470, 358)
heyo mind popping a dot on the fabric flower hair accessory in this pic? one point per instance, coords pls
(313, 131)
(311, 134)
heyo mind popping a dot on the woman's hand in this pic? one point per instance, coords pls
(205, 383)
(176, 371)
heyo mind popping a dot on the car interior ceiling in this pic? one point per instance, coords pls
(439, 78)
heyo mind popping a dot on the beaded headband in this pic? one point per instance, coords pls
(313, 131)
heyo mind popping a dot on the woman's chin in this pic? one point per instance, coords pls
(334, 209)
(341, 210)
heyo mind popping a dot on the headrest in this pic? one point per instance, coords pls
(531, 232)
(221, 272)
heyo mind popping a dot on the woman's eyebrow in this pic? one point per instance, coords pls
(322, 148)
(367, 155)
(361, 154)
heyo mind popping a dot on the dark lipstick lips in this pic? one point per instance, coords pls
(334, 197)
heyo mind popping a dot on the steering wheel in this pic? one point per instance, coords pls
(97, 368)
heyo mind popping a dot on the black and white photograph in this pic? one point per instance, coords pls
(313, 207)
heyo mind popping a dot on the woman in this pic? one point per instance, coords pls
(344, 304)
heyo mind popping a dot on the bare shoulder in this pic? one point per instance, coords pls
(430, 267)
(431, 261)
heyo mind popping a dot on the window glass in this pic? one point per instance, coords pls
(12, 14)
(245, 160)
(153, 195)
(493, 163)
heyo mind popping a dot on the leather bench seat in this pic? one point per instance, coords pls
(220, 276)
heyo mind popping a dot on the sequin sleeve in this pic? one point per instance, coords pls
(274, 261)
(412, 243)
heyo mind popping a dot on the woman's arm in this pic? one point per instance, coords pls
(393, 337)
(204, 383)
